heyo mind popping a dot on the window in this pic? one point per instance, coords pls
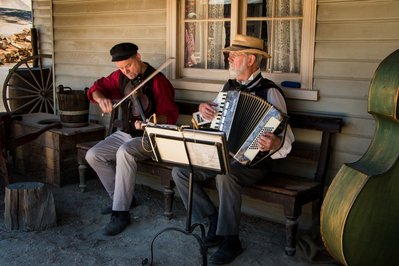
(205, 27)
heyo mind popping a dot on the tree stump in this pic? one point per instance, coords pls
(29, 206)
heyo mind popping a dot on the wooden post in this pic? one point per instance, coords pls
(29, 206)
(34, 42)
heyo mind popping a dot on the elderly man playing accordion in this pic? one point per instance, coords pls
(245, 56)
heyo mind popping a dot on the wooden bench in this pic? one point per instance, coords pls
(292, 192)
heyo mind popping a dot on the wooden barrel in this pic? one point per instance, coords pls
(73, 107)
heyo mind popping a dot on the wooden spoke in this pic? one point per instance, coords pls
(29, 89)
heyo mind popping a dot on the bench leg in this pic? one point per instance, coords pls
(316, 206)
(291, 227)
(168, 194)
(82, 176)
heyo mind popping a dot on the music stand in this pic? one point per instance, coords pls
(196, 149)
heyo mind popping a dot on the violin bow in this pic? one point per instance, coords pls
(159, 69)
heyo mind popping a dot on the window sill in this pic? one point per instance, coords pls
(301, 94)
(198, 84)
(216, 86)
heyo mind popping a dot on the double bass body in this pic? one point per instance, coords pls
(360, 213)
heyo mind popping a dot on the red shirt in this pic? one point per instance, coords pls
(164, 93)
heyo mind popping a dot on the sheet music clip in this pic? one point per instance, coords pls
(196, 149)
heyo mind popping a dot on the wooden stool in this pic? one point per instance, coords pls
(29, 206)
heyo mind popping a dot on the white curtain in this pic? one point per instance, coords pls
(216, 38)
(286, 41)
(205, 40)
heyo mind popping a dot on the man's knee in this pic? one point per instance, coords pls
(179, 175)
(90, 156)
(176, 174)
(225, 181)
(125, 152)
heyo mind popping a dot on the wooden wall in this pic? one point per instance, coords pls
(42, 20)
(85, 30)
(352, 38)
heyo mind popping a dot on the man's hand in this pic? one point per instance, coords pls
(208, 110)
(104, 103)
(268, 141)
(139, 125)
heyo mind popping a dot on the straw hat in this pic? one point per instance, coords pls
(247, 44)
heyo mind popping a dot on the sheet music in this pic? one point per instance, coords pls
(203, 147)
(204, 155)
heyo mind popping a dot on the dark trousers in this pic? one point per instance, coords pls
(229, 190)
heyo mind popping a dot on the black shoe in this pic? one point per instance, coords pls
(119, 221)
(211, 239)
(108, 209)
(227, 252)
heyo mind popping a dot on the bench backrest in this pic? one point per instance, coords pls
(328, 126)
(319, 154)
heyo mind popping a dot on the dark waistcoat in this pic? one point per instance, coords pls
(127, 116)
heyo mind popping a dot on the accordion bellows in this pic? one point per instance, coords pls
(243, 117)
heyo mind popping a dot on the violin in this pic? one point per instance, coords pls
(141, 105)
(139, 86)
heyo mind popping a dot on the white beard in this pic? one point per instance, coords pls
(234, 73)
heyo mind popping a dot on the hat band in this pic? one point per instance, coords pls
(245, 47)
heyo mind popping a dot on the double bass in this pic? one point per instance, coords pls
(360, 213)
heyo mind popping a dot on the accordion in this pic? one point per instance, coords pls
(244, 117)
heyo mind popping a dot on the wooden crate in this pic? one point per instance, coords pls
(51, 158)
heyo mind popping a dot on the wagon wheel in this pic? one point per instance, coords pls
(28, 88)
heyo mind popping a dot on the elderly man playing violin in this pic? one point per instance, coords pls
(114, 159)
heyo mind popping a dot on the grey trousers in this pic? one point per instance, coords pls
(114, 159)
(229, 191)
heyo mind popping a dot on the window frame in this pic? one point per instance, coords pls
(214, 77)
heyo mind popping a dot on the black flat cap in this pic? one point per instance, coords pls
(123, 51)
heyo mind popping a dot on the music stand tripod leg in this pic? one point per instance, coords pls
(189, 228)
